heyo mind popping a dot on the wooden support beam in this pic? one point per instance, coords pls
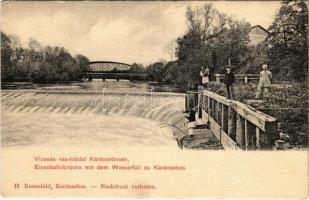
(216, 111)
(219, 113)
(257, 135)
(231, 123)
(208, 104)
(268, 139)
(225, 118)
(224, 139)
(222, 117)
(246, 134)
(240, 131)
(212, 108)
(199, 104)
(205, 102)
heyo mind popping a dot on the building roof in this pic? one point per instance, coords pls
(257, 34)
(261, 27)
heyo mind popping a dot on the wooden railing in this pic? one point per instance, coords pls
(235, 124)
(245, 77)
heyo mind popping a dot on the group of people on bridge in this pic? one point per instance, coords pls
(265, 80)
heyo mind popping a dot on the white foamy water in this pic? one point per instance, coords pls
(62, 130)
(82, 115)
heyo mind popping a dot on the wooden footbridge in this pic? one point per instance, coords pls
(235, 124)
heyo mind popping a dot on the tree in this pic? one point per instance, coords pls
(156, 71)
(137, 68)
(38, 63)
(6, 54)
(229, 47)
(170, 49)
(288, 42)
(214, 40)
(82, 63)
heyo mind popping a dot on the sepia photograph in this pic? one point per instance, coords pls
(107, 89)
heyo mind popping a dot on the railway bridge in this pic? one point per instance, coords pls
(112, 70)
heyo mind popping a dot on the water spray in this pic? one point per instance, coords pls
(103, 97)
(151, 97)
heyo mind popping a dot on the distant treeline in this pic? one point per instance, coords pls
(37, 63)
(212, 39)
(216, 40)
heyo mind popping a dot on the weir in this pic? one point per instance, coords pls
(235, 124)
(114, 117)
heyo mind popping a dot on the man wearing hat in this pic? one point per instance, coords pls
(264, 82)
(229, 81)
(204, 73)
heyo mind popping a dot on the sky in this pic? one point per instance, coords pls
(117, 31)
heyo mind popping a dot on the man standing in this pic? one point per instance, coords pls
(264, 82)
(229, 81)
(204, 73)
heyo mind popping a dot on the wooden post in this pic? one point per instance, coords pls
(205, 103)
(240, 133)
(186, 102)
(267, 137)
(198, 103)
(208, 105)
(246, 134)
(246, 79)
(222, 117)
(201, 103)
(219, 113)
(217, 78)
(258, 141)
(231, 123)
(224, 125)
(216, 111)
(212, 108)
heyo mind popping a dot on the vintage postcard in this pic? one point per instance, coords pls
(154, 99)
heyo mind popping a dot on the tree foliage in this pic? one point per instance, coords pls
(137, 68)
(215, 40)
(288, 41)
(37, 63)
(212, 39)
(156, 71)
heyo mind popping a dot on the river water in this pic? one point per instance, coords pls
(104, 114)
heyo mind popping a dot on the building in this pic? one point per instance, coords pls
(257, 34)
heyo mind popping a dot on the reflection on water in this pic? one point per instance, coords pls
(95, 85)
(126, 113)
